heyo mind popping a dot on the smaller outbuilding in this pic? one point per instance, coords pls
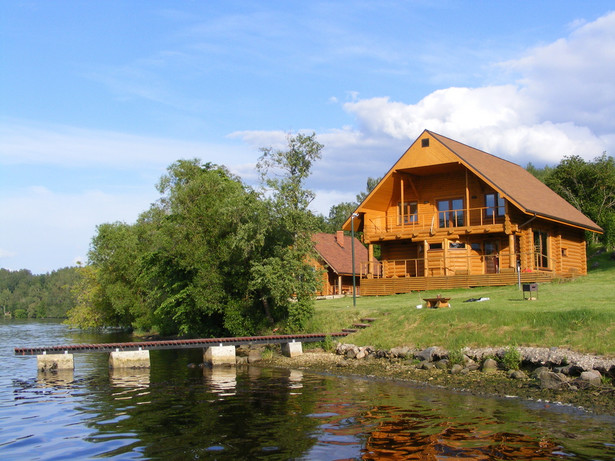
(334, 258)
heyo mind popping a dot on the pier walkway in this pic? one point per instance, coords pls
(136, 354)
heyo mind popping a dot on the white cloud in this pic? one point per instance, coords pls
(573, 78)
(30, 143)
(563, 104)
(325, 199)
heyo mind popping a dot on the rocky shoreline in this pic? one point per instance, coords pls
(549, 375)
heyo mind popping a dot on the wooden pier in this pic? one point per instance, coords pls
(136, 354)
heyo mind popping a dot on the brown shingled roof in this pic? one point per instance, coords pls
(518, 185)
(339, 257)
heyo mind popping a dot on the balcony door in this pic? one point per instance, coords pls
(450, 213)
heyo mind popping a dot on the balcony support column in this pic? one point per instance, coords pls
(511, 251)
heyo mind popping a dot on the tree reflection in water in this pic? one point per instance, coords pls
(415, 435)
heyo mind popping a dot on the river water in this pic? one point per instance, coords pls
(175, 412)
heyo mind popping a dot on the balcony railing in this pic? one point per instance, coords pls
(446, 219)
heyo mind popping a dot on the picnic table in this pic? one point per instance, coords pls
(436, 302)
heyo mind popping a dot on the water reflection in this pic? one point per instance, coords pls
(221, 379)
(129, 377)
(295, 379)
(55, 378)
(411, 435)
(174, 411)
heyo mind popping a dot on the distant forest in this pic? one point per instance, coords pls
(24, 295)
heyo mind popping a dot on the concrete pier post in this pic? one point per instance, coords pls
(52, 362)
(129, 359)
(292, 349)
(220, 355)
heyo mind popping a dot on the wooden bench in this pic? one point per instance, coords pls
(437, 302)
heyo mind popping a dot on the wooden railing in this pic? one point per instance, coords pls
(454, 264)
(483, 216)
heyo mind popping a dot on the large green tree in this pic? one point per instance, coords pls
(590, 187)
(208, 227)
(282, 279)
(183, 267)
(212, 256)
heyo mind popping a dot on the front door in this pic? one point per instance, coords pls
(491, 251)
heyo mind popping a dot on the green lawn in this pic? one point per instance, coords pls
(578, 314)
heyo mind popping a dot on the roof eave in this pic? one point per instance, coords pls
(598, 230)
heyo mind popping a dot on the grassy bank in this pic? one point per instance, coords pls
(578, 314)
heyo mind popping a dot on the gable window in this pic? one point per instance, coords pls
(494, 205)
(408, 213)
(541, 249)
(450, 213)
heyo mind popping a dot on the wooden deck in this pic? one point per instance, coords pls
(390, 286)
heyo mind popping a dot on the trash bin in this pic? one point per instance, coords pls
(531, 289)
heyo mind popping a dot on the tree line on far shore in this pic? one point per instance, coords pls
(215, 257)
(25, 295)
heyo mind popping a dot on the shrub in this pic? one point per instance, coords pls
(328, 344)
(456, 357)
(511, 360)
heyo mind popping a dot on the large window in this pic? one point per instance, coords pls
(541, 249)
(494, 205)
(450, 213)
(408, 214)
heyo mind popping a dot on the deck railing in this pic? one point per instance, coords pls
(483, 216)
(454, 264)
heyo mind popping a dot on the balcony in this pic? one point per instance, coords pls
(423, 225)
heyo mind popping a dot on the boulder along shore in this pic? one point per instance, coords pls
(549, 375)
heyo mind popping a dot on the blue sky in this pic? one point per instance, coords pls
(97, 98)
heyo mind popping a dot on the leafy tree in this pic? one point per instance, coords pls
(207, 229)
(282, 279)
(539, 173)
(116, 253)
(338, 214)
(590, 187)
(92, 308)
(184, 267)
(211, 256)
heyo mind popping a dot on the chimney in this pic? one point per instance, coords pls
(340, 238)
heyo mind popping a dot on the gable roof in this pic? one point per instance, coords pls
(339, 257)
(512, 181)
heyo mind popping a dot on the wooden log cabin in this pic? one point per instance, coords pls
(447, 215)
(334, 260)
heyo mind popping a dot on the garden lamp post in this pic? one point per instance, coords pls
(354, 284)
